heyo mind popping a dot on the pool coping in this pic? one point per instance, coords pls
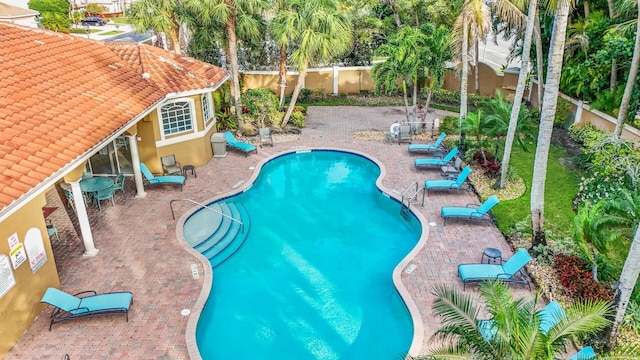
(192, 323)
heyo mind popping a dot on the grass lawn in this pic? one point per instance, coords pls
(561, 186)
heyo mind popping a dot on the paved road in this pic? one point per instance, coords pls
(495, 55)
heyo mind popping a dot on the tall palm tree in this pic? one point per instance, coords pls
(160, 16)
(283, 32)
(322, 33)
(237, 16)
(628, 90)
(516, 325)
(471, 26)
(547, 116)
(517, 100)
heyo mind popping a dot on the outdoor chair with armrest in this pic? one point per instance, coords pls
(418, 148)
(431, 162)
(157, 180)
(69, 307)
(265, 136)
(586, 353)
(405, 134)
(233, 143)
(471, 211)
(549, 316)
(507, 272)
(458, 183)
(170, 165)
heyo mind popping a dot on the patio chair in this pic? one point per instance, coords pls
(405, 134)
(103, 194)
(69, 307)
(469, 212)
(507, 272)
(458, 183)
(549, 316)
(69, 195)
(233, 143)
(585, 354)
(265, 136)
(419, 148)
(156, 180)
(87, 175)
(52, 231)
(431, 162)
(118, 184)
(452, 170)
(170, 165)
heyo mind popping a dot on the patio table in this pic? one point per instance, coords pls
(92, 185)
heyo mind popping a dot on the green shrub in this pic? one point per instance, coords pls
(260, 101)
(305, 94)
(297, 119)
(632, 317)
(274, 118)
(562, 112)
(442, 96)
(449, 124)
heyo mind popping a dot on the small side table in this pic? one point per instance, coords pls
(191, 168)
(493, 256)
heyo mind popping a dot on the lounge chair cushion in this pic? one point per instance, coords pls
(586, 353)
(506, 271)
(427, 147)
(156, 180)
(550, 316)
(449, 184)
(235, 144)
(423, 162)
(468, 212)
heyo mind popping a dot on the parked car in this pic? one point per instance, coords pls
(94, 21)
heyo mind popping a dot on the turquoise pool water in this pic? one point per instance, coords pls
(313, 279)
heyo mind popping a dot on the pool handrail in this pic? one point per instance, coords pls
(208, 208)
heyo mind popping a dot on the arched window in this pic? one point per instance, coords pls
(176, 117)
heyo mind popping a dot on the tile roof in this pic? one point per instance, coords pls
(61, 95)
(10, 11)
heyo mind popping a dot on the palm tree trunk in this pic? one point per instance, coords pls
(540, 61)
(414, 95)
(394, 10)
(175, 40)
(628, 90)
(406, 99)
(587, 8)
(613, 79)
(628, 279)
(294, 96)
(517, 100)
(465, 69)
(550, 102)
(475, 68)
(233, 60)
(282, 74)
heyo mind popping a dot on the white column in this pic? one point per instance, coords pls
(336, 72)
(83, 220)
(135, 162)
(578, 112)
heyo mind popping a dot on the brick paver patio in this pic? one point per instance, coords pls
(139, 250)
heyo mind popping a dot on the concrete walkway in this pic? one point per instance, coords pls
(139, 250)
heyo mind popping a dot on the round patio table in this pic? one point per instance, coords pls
(97, 183)
(92, 185)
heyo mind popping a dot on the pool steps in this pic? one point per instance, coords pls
(224, 236)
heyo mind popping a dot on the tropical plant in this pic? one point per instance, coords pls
(437, 53)
(96, 9)
(404, 62)
(515, 323)
(471, 26)
(54, 13)
(476, 125)
(499, 122)
(260, 103)
(320, 32)
(158, 15)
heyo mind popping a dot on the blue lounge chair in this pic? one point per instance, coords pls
(69, 307)
(157, 180)
(550, 315)
(507, 272)
(585, 354)
(457, 184)
(417, 148)
(422, 162)
(233, 143)
(470, 213)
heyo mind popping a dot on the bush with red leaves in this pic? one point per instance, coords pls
(577, 281)
(490, 167)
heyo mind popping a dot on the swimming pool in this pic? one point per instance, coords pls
(313, 278)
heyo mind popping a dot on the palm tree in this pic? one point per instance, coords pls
(282, 29)
(321, 32)
(517, 100)
(516, 323)
(437, 54)
(628, 90)
(405, 59)
(237, 17)
(471, 26)
(547, 116)
(627, 282)
(499, 122)
(159, 16)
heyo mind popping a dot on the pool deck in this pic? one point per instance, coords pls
(139, 250)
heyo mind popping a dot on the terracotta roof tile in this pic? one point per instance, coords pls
(61, 95)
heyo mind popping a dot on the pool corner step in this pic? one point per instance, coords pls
(228, 237)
